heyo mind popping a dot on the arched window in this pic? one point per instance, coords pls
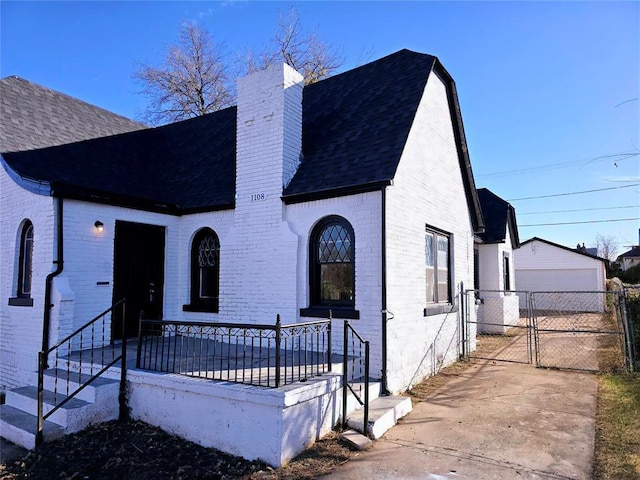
(205, 272)
(332, 264)
(25, 267)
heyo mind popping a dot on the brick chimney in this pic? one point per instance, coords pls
(262, 263)
(269, 128)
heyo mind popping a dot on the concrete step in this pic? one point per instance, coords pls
(57, 380)
(375, 388)
(356, 439)
(384, 413)
(20, 427)
(69, 416)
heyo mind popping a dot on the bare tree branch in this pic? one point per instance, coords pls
(305, 52)
(607, 246)
(193, 80)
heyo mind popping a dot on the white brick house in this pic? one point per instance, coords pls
(496, 289)
(376, 155)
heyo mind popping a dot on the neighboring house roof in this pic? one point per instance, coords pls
(497, 214)
(572, 250)
(634, 252)
(355, 126)
(32, 116)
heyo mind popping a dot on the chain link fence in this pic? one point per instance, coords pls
(502, 320)
(566, 330)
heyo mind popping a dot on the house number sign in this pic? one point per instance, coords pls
(258, 197)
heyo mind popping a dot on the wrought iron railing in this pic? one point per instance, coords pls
(261, 355)
(77, 360)
(355, 373)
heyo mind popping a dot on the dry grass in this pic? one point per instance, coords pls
(617, 449)
(325, 455)
(429, 386)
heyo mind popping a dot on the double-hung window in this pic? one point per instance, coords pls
(437, 266)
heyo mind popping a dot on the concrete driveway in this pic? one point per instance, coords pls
(495, 421)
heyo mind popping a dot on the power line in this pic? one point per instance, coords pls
(573, 193)
(579, 210)
(576, 223)
(543, 168)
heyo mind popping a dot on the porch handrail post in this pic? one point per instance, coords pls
(40, 413)
(122, 396)
(344, 374)
(278, 343)
(139, 346)
(366, 389)
(329, 363)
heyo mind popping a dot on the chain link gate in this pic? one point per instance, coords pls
(565, 330)
(498, 326)
(578, 330)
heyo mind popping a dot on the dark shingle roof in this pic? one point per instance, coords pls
(356, 123)
(355, 126)
(497, 214)
(188, 165)
(32, 116)
(634, 252)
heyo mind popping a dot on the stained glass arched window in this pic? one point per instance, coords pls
(332, 268)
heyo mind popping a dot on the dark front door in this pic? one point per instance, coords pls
(138, 274)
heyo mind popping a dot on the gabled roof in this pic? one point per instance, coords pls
(32, 116)
(557, 245)
(355, 126)
(497, 214)
(634, 252)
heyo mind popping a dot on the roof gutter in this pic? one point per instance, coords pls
(59, 263)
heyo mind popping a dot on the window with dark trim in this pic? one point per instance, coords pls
(25, 268)
(332, 269)
(205, 272)
(438, 266)
(506, 272)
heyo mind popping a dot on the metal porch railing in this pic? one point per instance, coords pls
(261, 355)
(355, 373)
(89, 347)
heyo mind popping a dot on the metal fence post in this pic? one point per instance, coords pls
(329, 362)
(40, 422)
(122, 396)
(345, 352)
(278, 343)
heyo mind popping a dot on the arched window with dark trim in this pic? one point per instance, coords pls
(332, 265)
(205, 272)
(25, 267)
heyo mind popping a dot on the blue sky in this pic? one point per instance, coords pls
(548, 90)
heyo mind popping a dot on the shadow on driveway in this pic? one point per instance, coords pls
(495, 421)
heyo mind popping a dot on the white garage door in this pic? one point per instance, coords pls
(579, 279)
(576, 280)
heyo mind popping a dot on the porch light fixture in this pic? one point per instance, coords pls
(99, 226)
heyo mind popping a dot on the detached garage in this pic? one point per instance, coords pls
(544, 266)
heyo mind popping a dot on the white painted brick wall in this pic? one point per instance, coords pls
(21, 327)
(427, 189)
(264, 244)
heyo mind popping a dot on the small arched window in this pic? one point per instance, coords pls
(332, 264)
(205, 272)
(25, 267)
